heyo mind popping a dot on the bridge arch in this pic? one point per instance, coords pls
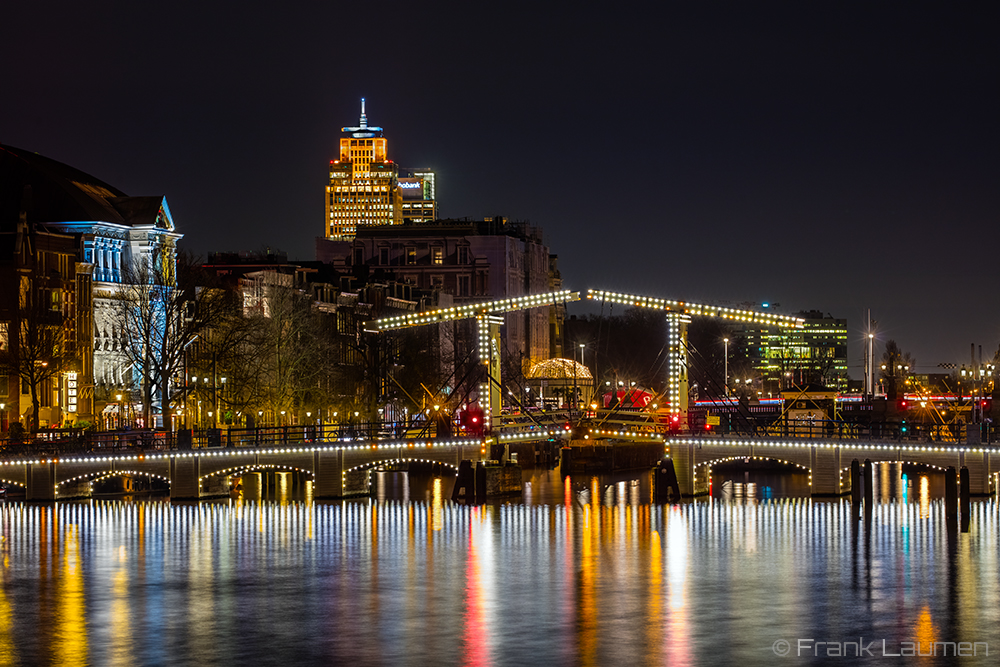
(911, 462)
(13, 482)
(358, 479)
(101, 475)
(727, 459)
(374, 464)
(845, 471)
(254, 467)
(703, 469)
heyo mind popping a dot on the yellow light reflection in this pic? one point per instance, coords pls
(587, 637)
(924, 632)
(70, 637)
(8, 656)
(437, 505)
(925, 497)
(654, 606)
(281, 479)
(679, 640)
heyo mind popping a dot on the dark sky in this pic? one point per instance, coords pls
(829, 156)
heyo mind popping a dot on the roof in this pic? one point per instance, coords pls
(53, 192)
(560, 369)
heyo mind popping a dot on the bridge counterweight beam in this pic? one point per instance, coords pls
(677, 372)
(491, 399)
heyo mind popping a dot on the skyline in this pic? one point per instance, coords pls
(836, 159)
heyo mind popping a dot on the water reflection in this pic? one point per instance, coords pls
(587, 572)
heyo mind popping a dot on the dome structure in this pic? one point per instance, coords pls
(53, 192)
(559, 369)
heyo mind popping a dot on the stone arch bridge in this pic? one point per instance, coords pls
(827, 461)
(336, 470)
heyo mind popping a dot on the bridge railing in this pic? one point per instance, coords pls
(50, 443)
(957, 433)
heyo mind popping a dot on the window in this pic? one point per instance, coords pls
(411, 255)
(465, 286)
(437, 282)
(4, 337)
(383, 256)
(437, 255)
(359, 256)
(463, 255)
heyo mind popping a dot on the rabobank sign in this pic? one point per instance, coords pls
(411, 188)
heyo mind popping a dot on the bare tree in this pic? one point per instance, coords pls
(159, 310)
(37, 351)
(895, 362)
(280, 359)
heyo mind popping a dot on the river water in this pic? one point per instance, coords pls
(581, 571)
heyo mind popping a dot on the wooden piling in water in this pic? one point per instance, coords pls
(950, 494)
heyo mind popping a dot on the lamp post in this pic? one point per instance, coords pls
(222, 400)
(120, 422)
(725, 376)
(870, 369)
(961, 396)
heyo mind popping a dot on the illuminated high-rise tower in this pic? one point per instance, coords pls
(363, 187)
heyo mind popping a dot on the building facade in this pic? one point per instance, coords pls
(44, 316)
(469, 260)
(418, 195)
(367, 189)
(785, 357)
(92, 236)
(363, 189)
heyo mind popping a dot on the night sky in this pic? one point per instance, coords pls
(827, 156)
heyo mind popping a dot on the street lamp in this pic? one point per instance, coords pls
(223, 399)
(869, 373)
(725, 381)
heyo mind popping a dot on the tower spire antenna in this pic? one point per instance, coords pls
(363, 129)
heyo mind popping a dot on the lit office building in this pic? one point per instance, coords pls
(783, 358)
(363, 190)
(418, 197)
